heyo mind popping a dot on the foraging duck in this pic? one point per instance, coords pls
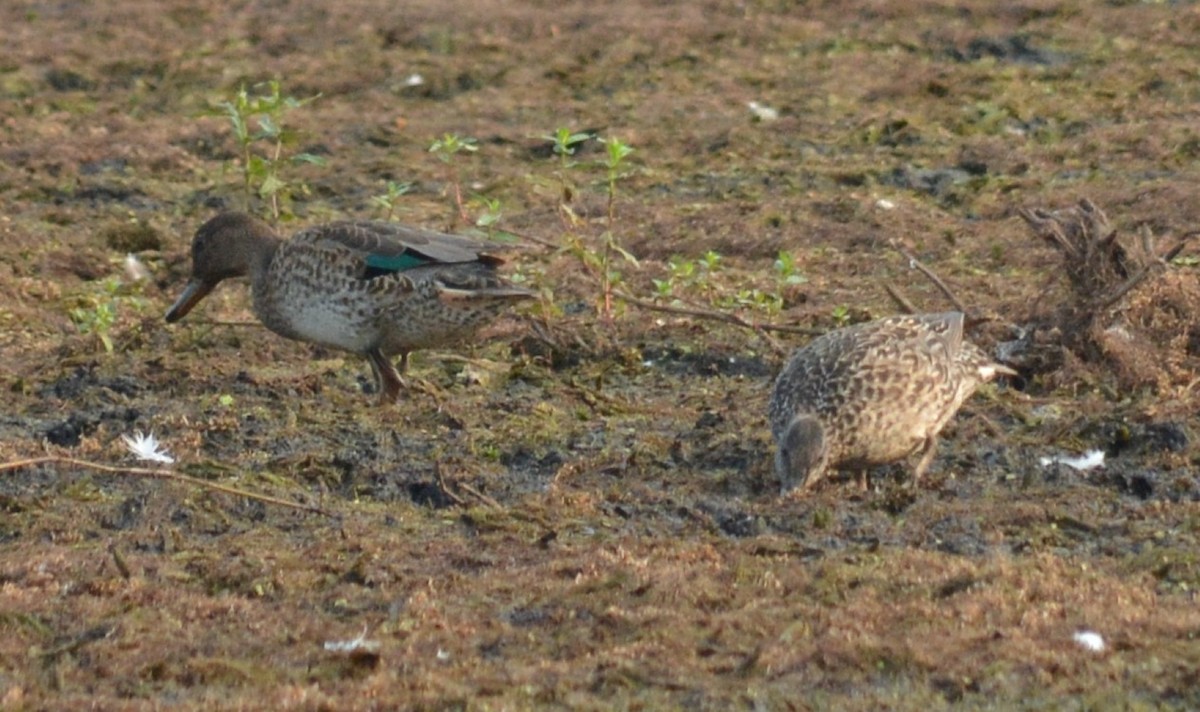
(375, 289)
(872, 394)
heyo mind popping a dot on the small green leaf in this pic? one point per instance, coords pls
(309, 158)
(626, 254)
(505, 237)
(270, 186)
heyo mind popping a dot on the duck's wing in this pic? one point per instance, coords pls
(947, 326)
(891, 348)
(388, 247)
(905, 332)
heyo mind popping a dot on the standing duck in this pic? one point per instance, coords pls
(872, 394)
(371, 288)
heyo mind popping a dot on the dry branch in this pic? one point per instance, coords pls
(758, 327)
(901, 300)
(929, 274)
(163, 475)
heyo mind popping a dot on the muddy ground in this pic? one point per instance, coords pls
(578, 511)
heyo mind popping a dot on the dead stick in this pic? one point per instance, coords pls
(1128, 286)
(937, 282)
(535, 240)
(223, 322)
(163, 475)
(718, 316)
(706, 314)
(899, 298)
(479, 495)
(445, 487)
(1183, 241)
(1141, 275)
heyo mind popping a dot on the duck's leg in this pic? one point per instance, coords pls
(927, 453)
(387, 380)
(864, 480)
(395, 380)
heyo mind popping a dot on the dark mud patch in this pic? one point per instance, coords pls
(1018, 49)
(85, 381)
(708, 362)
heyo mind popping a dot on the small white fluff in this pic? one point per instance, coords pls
(135, 270)
(353, 645)
(1089, 640)
(414, 80)
(146, 447)
(1088, 461)
(762, 112)
(885, 204)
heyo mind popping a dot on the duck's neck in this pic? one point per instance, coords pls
(261, 245)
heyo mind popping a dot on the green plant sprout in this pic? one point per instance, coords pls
(98, 320)
(841, 315)
(692, 275)
(564, 143)
(704, 280)
(599, 258)
(388, 201)
(261, 173)
(615, 153)
(97, 312)
(786, 272)
(489, 217)
(446, 148)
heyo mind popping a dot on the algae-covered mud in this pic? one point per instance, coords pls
(577, 509)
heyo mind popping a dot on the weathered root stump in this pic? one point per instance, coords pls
(1130, 311)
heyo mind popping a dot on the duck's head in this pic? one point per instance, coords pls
(229, 245)
(802, 455)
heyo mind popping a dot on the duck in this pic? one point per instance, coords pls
(872, 394)
(371, 288)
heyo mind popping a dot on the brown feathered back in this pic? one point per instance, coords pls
(871, 394)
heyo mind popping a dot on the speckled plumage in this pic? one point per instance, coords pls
(871, 394)
(372, 288)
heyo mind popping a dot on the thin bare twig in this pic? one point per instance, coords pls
(1140, 276)
(444, 487)
(899, 298)
(1183, 241)
(1116, 295)
(758, 327)
(701, 313)
(535, 240)
(491, 502)
(223, 322)
(937, 282)
(163, 475)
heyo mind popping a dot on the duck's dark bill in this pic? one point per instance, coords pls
(195, 291)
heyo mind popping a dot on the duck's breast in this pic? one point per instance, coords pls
(309, 295)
